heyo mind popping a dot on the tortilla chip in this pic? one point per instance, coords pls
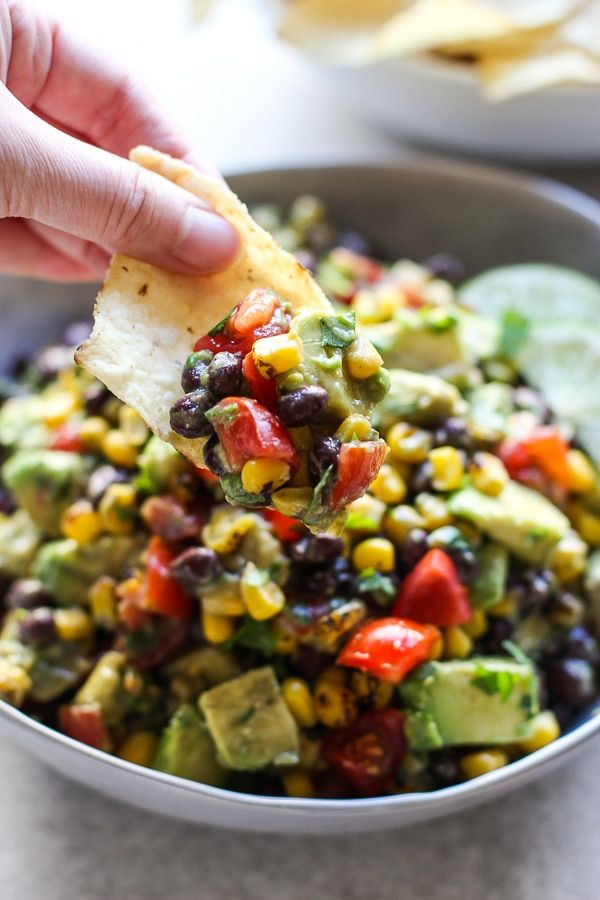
(506, 77)
(146, 319)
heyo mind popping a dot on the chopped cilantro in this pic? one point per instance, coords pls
(440, 319)
(338, 331)
(495, 682)
(514, 332)
(517, 654)
(235, 493)
(254, 635)
(220, 325)
(358, 521)
(380, 587)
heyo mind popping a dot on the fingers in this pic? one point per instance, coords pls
(22, 252)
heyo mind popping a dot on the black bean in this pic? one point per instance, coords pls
(303, 406)
(414, 547)
(27, 593)
(225, 375)
(564, 715)
(101, 478)
(539, 586)
(566, 609)
(76, 333)
(214, 456)
(446, 266)
(580, 644)
(325, 453)
(194, 370)
(498, 631)
(453, 433)
(7, 501)
(336, 579)
(320, 238)
(195, 567)
(445, 767)
(352, 240)
(317, 549)
(420, 480)
(465, 561)
(37, 629)
(52, 360)
(571, 681)
(310, 662)
(95, 397)
(188, 415)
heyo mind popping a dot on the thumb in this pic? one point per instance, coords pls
(85, 191)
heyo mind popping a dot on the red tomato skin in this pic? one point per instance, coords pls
(433, 593)
(389, 648)
(68, 438)
(163, 595)
(249, 320)
(206, 475)
(288, 530)
(264, 390)
(368, 752)
(544, 449)
(251, 432)
(84, 723)
(358, 464)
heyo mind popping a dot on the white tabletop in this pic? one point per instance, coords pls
(248, 102)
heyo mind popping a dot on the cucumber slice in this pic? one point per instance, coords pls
(540, 291)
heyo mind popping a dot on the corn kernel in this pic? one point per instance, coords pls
(286, 640)
(299, 701)
(362, 359)
(224, 598)
(482, 762)
(588, 526)
(292, 501)
(217, 629)
(258, 473)
(505, 609)
(447, 468)
(437, 649)
(408, 443)
(374, 553)
(400, 521)
(333, 675)
(365, 514)
(568, 559)
(72, 624)
(103, 602)
(336, 705)
(138, 748)
(388, 486)
(354, 427)
(132, 426)
(543, 729)
(582, 476)
(14, 682)
(334, 625)
(262, 597)
(58, 407)
(81, 522)
(298, 784)
(92, 432)
(376, 306)
(375, 693)
(434, 511)
(488, 473)
(309, 752)
(276, 354)
(118, 508)
(226, 528)
(119, 450)
(476, 627)
(457, 643)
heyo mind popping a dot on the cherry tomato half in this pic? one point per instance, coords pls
(163, 594)
(433, 592)
(262, 389)
(388, 648)
(248, 430)
(368, 752)
(84, 723)
(358, 464)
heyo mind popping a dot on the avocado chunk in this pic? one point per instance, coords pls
(208, 665)
(482, 700)
(21, 422)
(417, 398)
(250, 723)
(68, 570)
(490, 406)
(103, 686)
(19, 541)
(186, 749)
(489, 584)
(44, 483)
(521, 519)
(159, 463)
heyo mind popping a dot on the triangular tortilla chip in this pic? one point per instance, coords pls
(146, 319)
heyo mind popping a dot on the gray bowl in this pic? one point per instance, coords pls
(486, 217)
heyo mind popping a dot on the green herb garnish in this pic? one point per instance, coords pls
(219, 326)
(514, 331)
(380, 587)
(338, 331)
(255, 635)
(493, 682)
(358, 521)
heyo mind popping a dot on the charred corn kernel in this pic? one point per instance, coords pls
(588, 526)
(482, 762)
(292, 501)
(354, 427)
(488, 473)
(365, 514)
(92, 432)
(14, 682)
(58, 407)
(118, 508)
(181, 688)
(434, 511)
(506, 609)
(132, 426)
(331, 628)
(133, 683)
(582, 476)
(81, 522)
(286, 640)
(336, 705)
(374, 553)
(408, 443)
(258, 473)
(262, 597)
(226, 528)
(223, 598)
(276, 354)
(568, 559)
(400, 521)
(72, 624)
(477, 624)
(103, 602)
(388, 486)
(447, 468)
(298, 784)
(437, 649)
(457, 643)
(543, 729)
(362, 359)
(138, 748)
(217, 629)
(377, 694)
(376, 306)
(301, 437)
(118, 450)
(299, 701)
(333, 675)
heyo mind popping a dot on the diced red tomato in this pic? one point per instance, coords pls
(258, 315)
(544, 449)
(167, 517)
(169, 637)
(433, 593)
(356, 266)
(163, 594)
(84, 723)
(67, 437)
(368, 752)
(248, 430)
(388, 648)
(358, 464)
(287, 529)
(262, 389)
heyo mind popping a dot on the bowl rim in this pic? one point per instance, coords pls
(571, 200)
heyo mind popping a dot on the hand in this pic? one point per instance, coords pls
(67, 197)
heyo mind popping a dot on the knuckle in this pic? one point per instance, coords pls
(132, 213)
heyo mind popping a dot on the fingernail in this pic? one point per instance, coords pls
(210, 243)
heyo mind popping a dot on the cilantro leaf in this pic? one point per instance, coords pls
(380, 587)
(338, 331)
(220, 325)
(358, 521)
(514, 331)
(255, 635)
(495, 682)
(517, 654)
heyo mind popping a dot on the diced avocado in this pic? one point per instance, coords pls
(57, 669)
(482, 700)
(417, 398)
(19, 541)
(186, 749)
(44, 483)
(250, 723)
(532, 632)
(103, 686)
(159, 463)
(21, 422)
(489, 584)
(479, 335)
(68, 570)
(521, 519)
(211, 665)
(490, 406)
